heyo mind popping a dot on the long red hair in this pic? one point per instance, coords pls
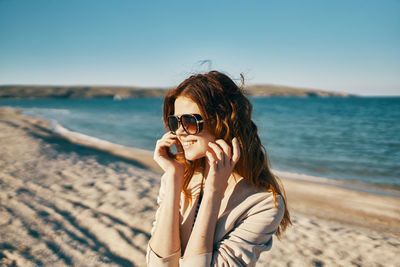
(227, 112)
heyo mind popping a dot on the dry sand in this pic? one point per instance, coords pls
(64, 204)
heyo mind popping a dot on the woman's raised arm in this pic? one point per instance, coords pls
(165, 240)
(221, 161)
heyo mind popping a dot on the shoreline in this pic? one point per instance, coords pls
(357, 165)
(349, 185)
(65, 203)
(144, 157)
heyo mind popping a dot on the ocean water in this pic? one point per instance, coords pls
(349, 139)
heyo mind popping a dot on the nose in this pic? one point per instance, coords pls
(180, 131)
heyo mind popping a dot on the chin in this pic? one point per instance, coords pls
(193, 155)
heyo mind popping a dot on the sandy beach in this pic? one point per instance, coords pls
(68, 202)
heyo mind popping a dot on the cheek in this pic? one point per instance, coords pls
(199, 149)
(203, 143)
(209, 138)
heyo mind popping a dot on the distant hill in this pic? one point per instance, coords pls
(278, 90)
(30, 91)
(119, 92)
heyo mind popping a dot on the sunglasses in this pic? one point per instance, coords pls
(191, 123)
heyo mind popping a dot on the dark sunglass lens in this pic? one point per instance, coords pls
(189, 123)
(173, 123)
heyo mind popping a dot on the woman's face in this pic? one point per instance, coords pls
(194, 146)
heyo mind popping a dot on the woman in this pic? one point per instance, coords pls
(219, 203)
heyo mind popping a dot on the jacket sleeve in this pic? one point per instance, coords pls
(152, 259)
(242, 246)
(251, 235)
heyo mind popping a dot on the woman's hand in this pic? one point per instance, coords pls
(165, 239)
(164, 159)
(222, 160)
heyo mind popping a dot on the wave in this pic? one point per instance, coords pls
(34, 110)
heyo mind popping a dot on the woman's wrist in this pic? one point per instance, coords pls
(215, 190)
(174, 179)
(214, 195)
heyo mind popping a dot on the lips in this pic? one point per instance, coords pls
(187, 144)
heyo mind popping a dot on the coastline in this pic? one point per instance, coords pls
(102, 197)
(121, 92)
(144, 157)
(348, 185)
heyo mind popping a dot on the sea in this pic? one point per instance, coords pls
(355, 139)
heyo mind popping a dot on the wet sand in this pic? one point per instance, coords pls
(65, 202)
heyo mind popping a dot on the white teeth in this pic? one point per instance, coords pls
(188, 143)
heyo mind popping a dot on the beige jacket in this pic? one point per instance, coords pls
(246, 222)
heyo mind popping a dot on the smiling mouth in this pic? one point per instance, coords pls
(187, 144)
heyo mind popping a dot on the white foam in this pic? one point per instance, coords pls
(46, 110)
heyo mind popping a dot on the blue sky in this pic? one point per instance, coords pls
(349, 46)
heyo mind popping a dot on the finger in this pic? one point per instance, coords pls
(165, 142)
(211, 160)
(168, 135)
(179, 147)
(226, 148)
(219, 153)
(180, 154)
(160, 148)
(236, 150)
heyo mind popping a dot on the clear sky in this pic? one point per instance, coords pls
(350, 46)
